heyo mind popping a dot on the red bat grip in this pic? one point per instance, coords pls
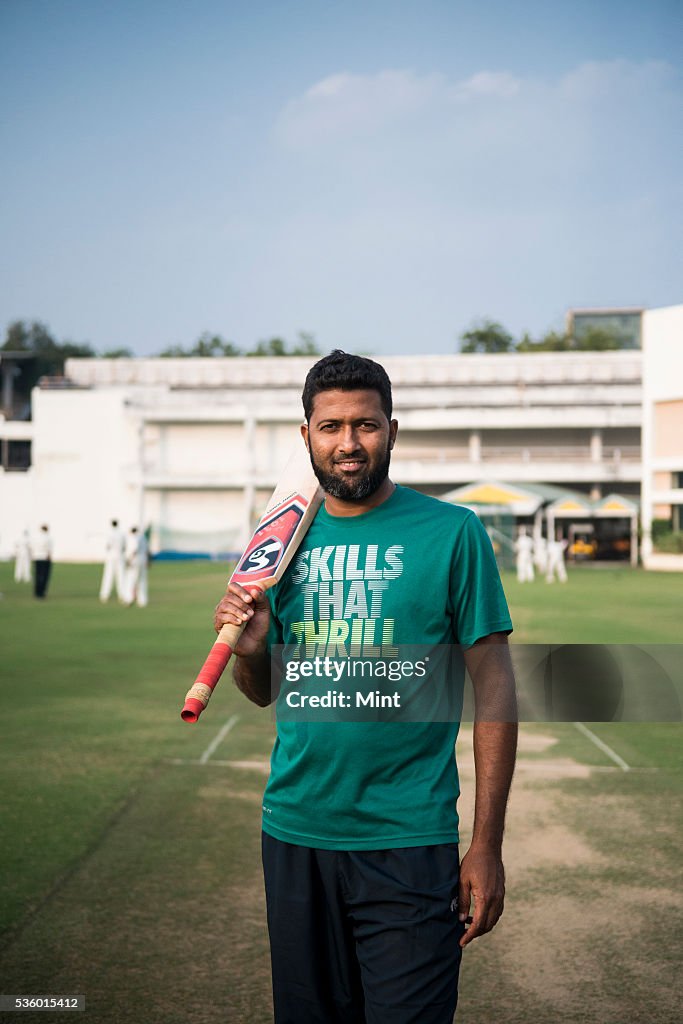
(212, 669)
(198, 695)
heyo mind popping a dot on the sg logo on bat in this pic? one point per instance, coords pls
(265, 556)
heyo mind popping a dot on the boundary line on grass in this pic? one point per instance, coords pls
(217, 740)
(602, 746)
(245, 765)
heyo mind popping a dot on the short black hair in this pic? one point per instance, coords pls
(341, 371)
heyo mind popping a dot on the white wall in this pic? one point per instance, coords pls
(83, 473)
(662, 381)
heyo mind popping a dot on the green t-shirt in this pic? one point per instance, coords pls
(417, 571)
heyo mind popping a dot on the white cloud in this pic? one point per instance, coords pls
(344, 105)
(487, 83)
(392, 104)
(348, 105)
(418, 201)
(596, 80)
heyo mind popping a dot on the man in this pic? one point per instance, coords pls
(113, 573)
(524, 549)
(540, 552)
(22, 564)
(136, 568)
(42, 551)
(367, 903)
(555, 560)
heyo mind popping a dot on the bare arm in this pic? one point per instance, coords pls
(251, 673)
(482, 876)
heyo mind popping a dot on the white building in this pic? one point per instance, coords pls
(662, 430)
(194, 446)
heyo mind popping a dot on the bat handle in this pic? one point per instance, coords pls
(198, 695)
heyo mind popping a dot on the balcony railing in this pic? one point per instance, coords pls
(413, 461)
(528, 453)
(449, 453)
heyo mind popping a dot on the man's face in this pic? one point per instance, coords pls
(350, 441)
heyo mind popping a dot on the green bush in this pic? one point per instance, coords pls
(670, 541)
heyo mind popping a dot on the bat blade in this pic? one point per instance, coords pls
(279, 532)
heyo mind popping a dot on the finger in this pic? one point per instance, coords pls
(477, 923)
(464, 896)
(484, 919)
(235, 614)
(253, 596)
(231, 610)
(494, 912)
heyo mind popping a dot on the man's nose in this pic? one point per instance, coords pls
(348, 438)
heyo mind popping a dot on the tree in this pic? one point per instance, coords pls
(599, 339)
(487, 336)
(207, 344)
(595, 339)
(118, 353)
(48, 354)
(550, 342)
(272, 347)
(306, 346)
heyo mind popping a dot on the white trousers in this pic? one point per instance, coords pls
(22, 568)
(113, 575)
(525, 569)
(136, 585)
(556, 565)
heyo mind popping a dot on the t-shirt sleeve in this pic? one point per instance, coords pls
(478, 600)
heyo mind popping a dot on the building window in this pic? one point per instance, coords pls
(16, 456)
(623, 324)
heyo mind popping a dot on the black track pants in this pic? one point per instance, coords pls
(363, 937)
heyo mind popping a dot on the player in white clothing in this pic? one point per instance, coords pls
(114, 565)
(22, 564)
(555, 564)
(524, 548)
(136, 568)
(540, 552)
(42, 553)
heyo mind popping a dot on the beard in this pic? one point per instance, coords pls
(353, 490)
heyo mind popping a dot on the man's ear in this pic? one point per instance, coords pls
(393, 431)
(304, 434)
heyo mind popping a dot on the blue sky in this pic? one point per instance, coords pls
(379, 174)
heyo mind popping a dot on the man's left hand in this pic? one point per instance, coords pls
(482, 879)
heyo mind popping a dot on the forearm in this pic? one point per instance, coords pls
(252, 675)
(495, 735)
(495, 745)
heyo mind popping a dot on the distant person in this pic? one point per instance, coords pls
(42, 552)
(556, 549)
(148, 541)
(540, 553)
(114, 564)
(524, 550)
(22, 564)
(136, 568)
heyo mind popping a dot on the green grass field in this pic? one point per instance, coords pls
(136, 881)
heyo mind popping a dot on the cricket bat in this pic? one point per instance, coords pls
(280, 530)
